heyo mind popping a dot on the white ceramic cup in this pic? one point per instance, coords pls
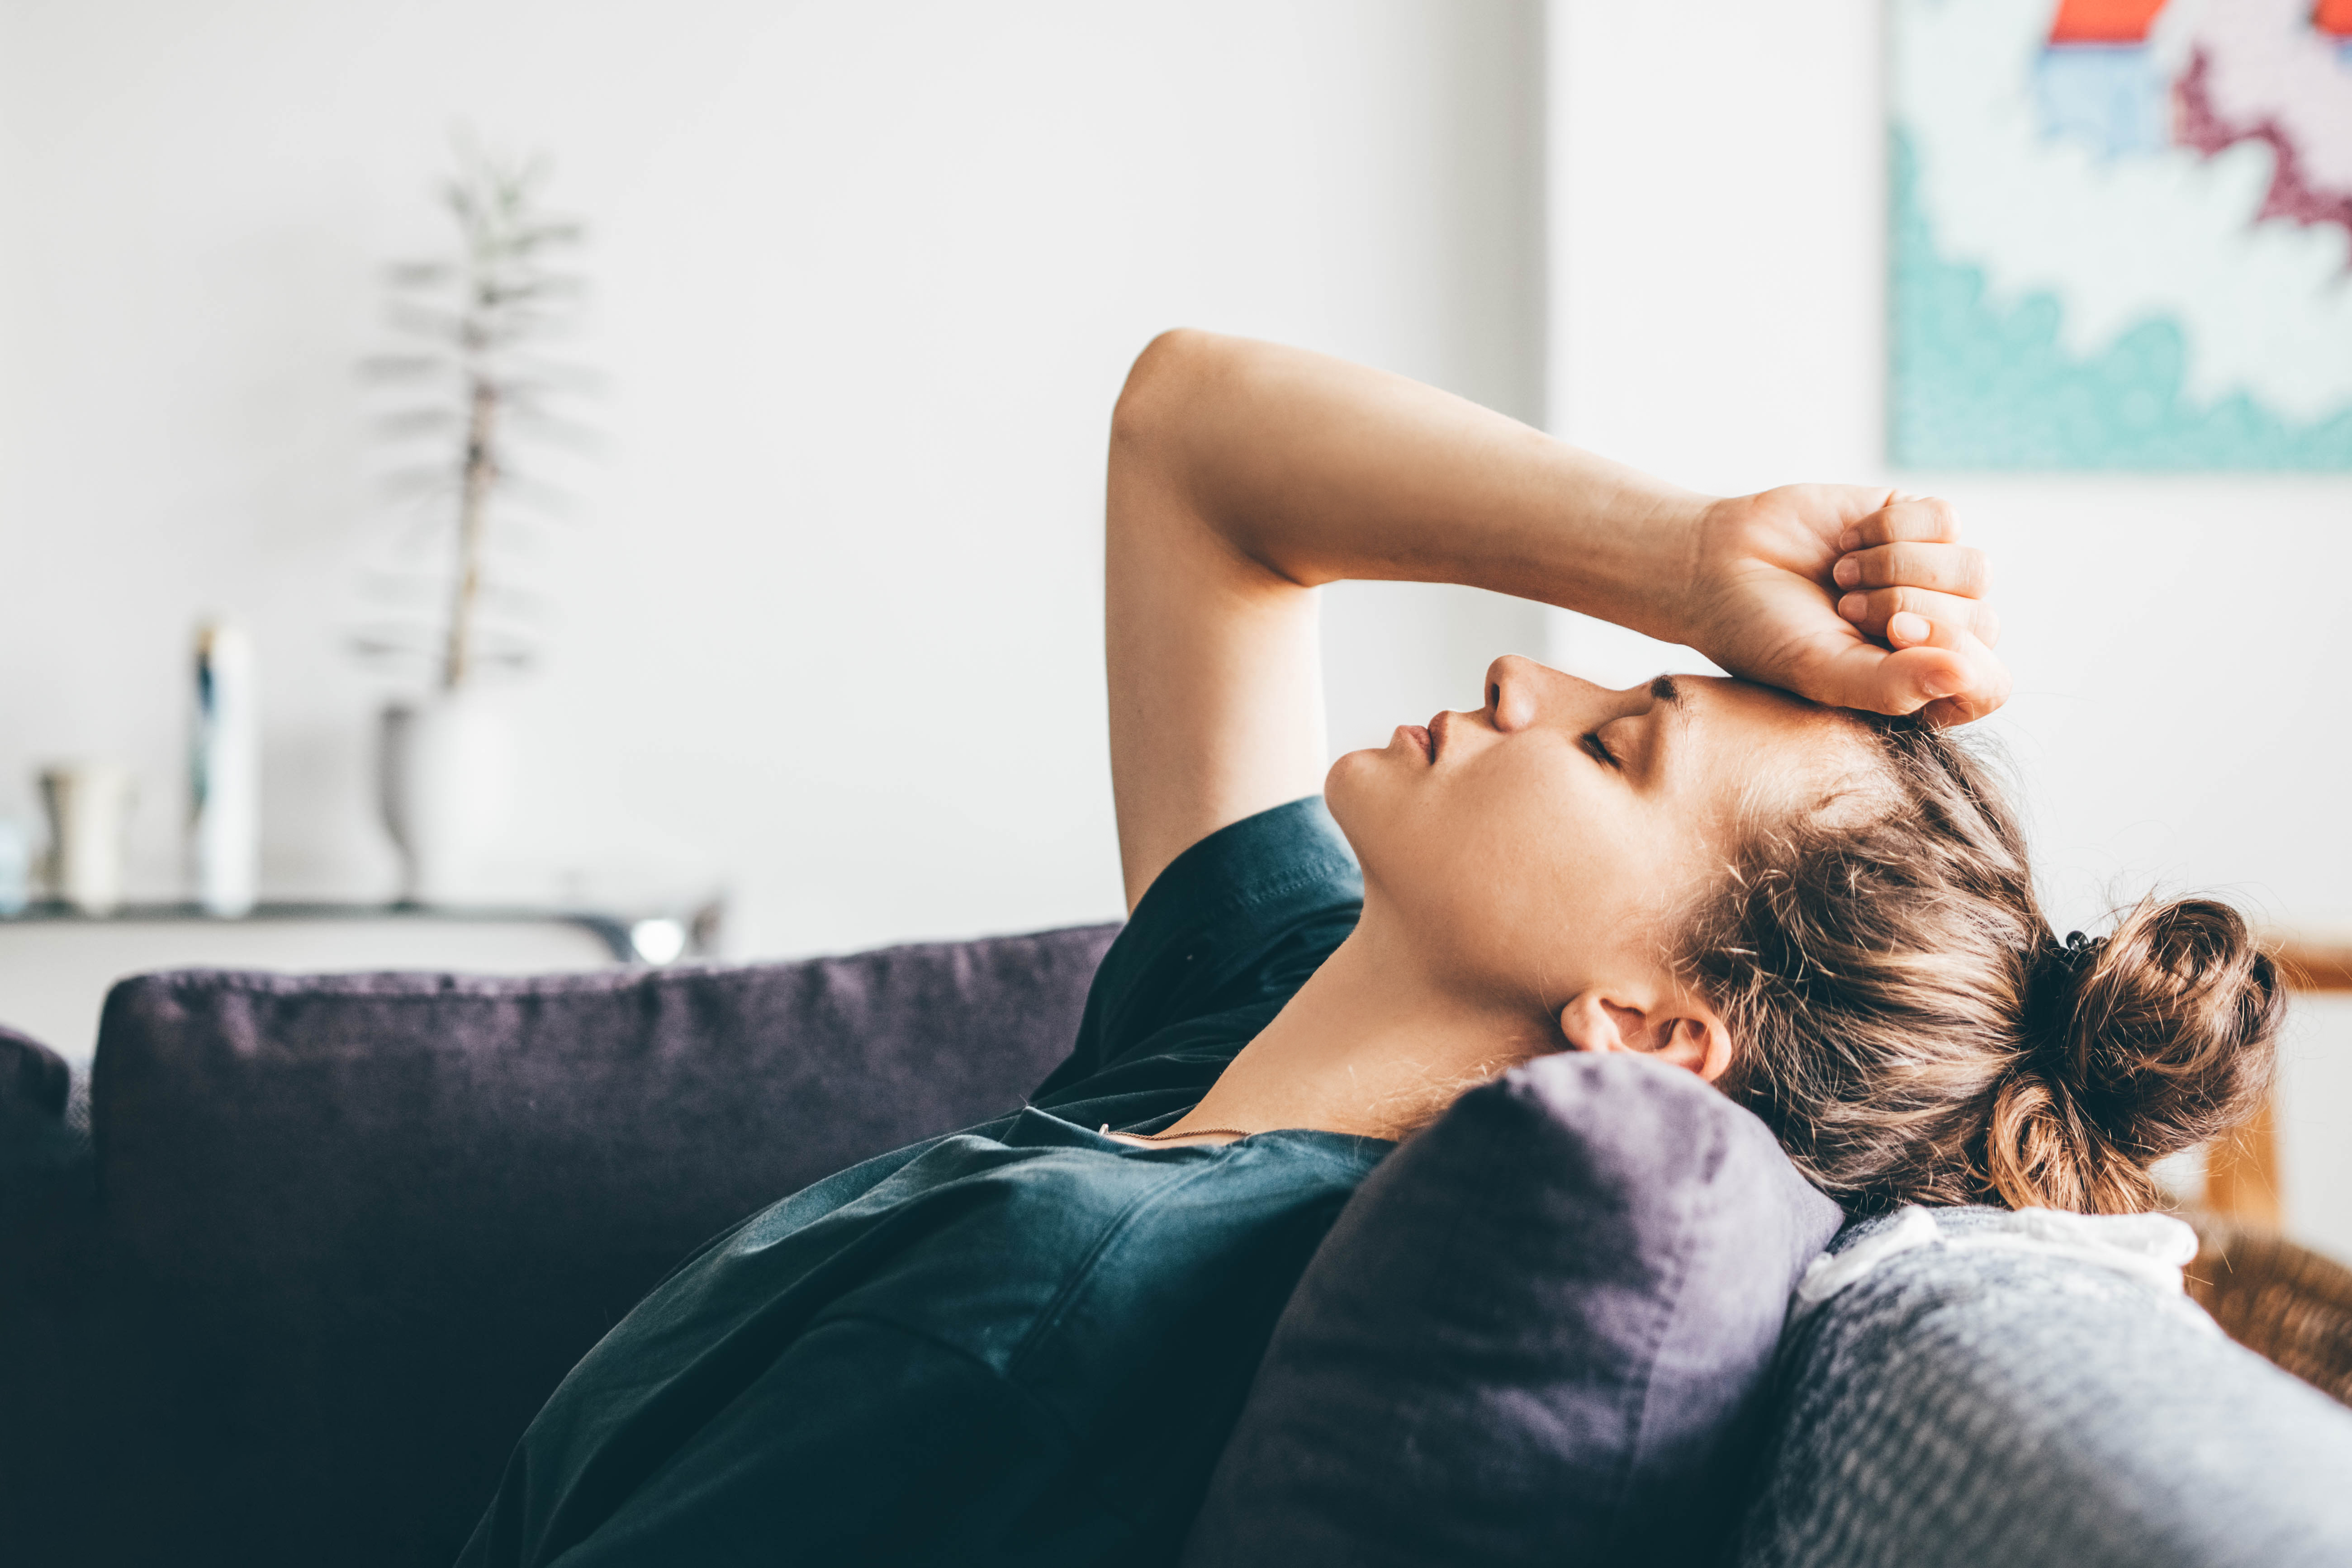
(15, 868)
(90, 821)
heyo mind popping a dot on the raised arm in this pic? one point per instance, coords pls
(1243, 475)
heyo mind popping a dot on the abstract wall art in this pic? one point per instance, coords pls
(2121, 234)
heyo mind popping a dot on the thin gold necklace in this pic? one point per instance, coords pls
(1196, 1132)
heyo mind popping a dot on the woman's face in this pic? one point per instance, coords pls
(1540, 846)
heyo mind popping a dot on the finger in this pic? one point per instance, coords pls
(1946, 568)
(1960, 677)
(1945, 672)
(1905, 520)
(1985, 689)
(1871, 609)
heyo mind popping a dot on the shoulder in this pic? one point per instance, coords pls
(1220, 904)
(1237, 921)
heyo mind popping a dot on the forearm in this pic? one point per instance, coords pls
(1243, 474)
(1316, 469)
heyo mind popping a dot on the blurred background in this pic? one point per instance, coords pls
(816, 641)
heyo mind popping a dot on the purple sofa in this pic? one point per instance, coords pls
(285, 1285)
(336, 1238)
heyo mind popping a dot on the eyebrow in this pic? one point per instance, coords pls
(1673, 697)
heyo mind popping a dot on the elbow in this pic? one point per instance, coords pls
(1156, 391)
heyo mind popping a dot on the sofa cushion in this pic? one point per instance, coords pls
(43, 1128)
(362, 1224)
(1538, 1334)
(33, 1078)
(1965, 1403)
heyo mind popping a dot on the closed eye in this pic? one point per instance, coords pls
(1600, 751)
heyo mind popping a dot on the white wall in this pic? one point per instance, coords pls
(867, 279)
(1717, 183)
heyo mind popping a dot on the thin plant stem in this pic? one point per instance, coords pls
(484, 311)
(481, 473)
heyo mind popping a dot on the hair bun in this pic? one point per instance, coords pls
(2056, 971)
(2148, 1041)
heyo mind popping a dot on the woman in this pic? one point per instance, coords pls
(1025, 1342)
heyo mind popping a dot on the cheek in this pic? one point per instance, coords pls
(1518, 872)
(1554, 846)
(1523, 864)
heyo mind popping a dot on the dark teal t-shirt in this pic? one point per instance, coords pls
(1021, 1344)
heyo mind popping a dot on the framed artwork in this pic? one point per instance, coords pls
(2121, 234)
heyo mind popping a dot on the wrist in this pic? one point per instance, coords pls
(1650, 580)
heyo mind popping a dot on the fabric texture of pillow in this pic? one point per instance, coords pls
(1540, 1332)
(1975, 1400)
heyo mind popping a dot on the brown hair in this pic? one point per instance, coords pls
(1907, 1023)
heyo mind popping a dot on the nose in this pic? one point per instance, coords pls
(1520, 693)
(1512, 692)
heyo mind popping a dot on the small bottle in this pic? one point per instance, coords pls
(225, 774)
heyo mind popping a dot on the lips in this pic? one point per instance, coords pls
(1420, 737)
(1440, 728)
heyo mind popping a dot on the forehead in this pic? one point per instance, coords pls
(1727, 699)
(1748, 736)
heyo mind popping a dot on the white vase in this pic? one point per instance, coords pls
(446, 781)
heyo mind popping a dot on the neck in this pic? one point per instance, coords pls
(1372, 1044)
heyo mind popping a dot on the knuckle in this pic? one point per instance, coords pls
(1940, 518)
(1943, 568)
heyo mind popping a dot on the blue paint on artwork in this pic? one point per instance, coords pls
(2109, 96)
(1977, 385)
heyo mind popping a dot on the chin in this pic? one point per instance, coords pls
(1345, 777)
(1362, 797)
(1348, 791)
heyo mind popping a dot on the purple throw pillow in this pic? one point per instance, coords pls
(1540, 1332)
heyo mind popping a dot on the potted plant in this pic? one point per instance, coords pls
(473, 385)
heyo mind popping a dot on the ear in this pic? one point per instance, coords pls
(1683, 1030)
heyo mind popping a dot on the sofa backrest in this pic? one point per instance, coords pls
(343, 1235)
(1971, 1401)
(355, 1228)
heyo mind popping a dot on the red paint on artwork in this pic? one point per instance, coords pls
(2333, 18)
(2104, 21)
(2292, 193)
